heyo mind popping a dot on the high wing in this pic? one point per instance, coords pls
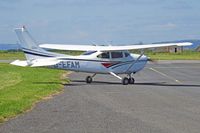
(109, 48)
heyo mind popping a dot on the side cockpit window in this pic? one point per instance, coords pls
(104, 55)
(113, 55)
(117, 54)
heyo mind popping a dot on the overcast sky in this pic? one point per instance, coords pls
(101, 21)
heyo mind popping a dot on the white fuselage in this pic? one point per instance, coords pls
(92, 64)
(98, 59)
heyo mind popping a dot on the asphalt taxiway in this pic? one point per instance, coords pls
(165, 99)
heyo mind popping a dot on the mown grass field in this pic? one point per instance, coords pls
(186, 55)
(11, 55)
(21, 87)
(14, 55)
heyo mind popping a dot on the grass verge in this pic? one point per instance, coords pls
(186, 55)
(21, 87)
(11, 55)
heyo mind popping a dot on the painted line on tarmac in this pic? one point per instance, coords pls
(165, 75)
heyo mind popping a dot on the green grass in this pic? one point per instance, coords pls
(186, 55)
(11, 55)
(14, 55)
(21, 87)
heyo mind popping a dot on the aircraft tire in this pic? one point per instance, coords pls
(125, 81)
(131, 81)
(88, 79)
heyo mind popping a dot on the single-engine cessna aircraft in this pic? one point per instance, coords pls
(112, 60)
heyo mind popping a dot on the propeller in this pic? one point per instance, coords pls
(152, 60)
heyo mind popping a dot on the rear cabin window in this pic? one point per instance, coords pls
(104, 55)
(116, 54)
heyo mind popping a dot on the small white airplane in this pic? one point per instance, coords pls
(112, 60)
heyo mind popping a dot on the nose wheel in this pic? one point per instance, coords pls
(131, 80)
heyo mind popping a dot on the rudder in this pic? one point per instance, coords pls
(29, 45)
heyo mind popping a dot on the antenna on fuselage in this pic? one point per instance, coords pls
(94, 44)
(109, 43)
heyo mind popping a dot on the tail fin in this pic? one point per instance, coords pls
(30, 47)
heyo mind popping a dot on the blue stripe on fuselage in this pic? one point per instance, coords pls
(38, 53)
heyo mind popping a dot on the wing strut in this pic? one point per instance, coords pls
(115, 75)
(142, 53)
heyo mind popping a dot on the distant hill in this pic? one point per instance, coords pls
(9, 46)
(196, 43)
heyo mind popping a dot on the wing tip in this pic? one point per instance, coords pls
(185, 44)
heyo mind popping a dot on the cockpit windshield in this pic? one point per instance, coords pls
(104, 55)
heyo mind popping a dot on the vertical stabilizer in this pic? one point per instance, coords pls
(30, 47)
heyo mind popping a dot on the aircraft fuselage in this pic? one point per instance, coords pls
(123, 65)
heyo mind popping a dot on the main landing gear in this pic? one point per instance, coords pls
(126, 81)
(88, 79)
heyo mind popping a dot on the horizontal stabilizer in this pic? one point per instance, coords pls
(44, 62)
(19, 63)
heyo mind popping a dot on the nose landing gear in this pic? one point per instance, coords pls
(131, 80)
